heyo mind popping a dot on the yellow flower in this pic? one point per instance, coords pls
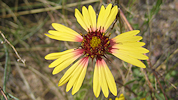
(94, 45)
(143, 99)
(121, 97)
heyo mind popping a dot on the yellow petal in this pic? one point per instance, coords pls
(93, 17)
(68, 73)
(111, 17)
(110, 79)
(129, 59)
(80, 19)
(121, 97)
(143, 99)
(131, 48)
(96, 86)
(100, 17)
(135, 54)
(53, 56)
(106, 15)
(126, 34)
(86, 17)
(133, 44)
(129, 33)
(74, 76)
(81, 77)
(102, 80)
(58, 33)
(62, 28)
(64, 31)
(64, 64)
(108, 10)
(61, 59)
(65, 57)
(64, 38)
(79, 81)
(128, 39)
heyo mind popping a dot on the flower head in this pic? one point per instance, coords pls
(94, 45)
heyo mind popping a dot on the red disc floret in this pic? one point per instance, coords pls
(95, 44)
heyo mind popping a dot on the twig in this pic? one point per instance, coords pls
(127, 88)
(150, 33)
(3, 93)
(5, 74)
(125, 20)
(158, 80)
(149, 83)
(23, 61)
(130, 28)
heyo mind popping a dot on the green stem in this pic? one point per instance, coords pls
(13, 96)
(5, 67)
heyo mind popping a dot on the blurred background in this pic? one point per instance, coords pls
(24, 73)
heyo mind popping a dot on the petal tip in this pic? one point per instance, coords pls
(144, 67)
(54, 72)
(59, 84)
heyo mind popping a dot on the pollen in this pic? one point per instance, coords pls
(95, 41)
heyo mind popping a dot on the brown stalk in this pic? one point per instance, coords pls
(130, 28)
(126, 88)
(3, 93)
(125, 20)
(158, 80)
(23, 61)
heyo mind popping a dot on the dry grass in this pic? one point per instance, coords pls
(24, 73)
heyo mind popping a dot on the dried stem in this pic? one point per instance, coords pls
(130, 28)
(126, 88)
(23, 61)
(158, 80)
(125, 20)
(3, 93)
(149, 83)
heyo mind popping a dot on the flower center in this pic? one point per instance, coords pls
(95, 44)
